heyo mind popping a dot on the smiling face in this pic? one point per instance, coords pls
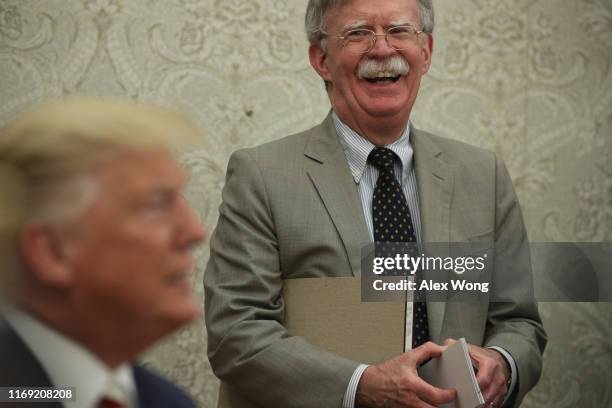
(130, 254)
(362, 101)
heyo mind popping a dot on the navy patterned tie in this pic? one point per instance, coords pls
(392, 223)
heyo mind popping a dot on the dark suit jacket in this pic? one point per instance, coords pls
(19, 367)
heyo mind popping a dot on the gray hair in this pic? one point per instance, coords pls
(316, 12)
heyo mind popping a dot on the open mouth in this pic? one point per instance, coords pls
(389, 80)
(177, 278)
(180, 274)
(383, 78)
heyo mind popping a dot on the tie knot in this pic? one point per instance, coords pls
(382, 158)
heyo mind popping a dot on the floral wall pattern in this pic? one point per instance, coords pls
(529, 79)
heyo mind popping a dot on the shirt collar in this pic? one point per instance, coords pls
(69, 364)
(358, 148)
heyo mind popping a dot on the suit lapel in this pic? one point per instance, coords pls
(330, 174)
(435, 186)
(19, 366)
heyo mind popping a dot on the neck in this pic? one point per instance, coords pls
(111, 345)
(379, 130)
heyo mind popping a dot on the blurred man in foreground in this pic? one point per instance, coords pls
(96, 240)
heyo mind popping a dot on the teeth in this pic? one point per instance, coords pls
(384, 74)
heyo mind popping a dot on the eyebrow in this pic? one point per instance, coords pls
(404, 22)
(366, 23)
(355, 24)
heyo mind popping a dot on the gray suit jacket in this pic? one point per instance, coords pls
(291, 209)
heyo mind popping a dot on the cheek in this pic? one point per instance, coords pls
(417, 61)
(342, 65)
(125, 280)
(143, 240)
(351, 65)
(111, 258)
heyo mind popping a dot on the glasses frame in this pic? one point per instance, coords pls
(374, 37)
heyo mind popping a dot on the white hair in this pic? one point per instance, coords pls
(316, 11)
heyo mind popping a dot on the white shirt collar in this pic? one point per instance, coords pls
(71, 365)
(357, 148)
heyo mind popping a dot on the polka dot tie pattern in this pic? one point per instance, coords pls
(393, 224)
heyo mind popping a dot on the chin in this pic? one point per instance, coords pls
(189, 311)
(179, 314)
(385, 109)
(384, 105)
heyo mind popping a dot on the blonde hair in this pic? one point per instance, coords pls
(53, 145)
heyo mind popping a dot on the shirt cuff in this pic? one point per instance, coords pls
(513, 370)
(351, 389)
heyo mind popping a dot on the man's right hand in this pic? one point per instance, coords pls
(396, 383)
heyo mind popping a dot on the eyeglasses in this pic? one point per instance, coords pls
(362, 40)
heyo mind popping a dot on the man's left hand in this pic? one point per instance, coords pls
(492, 373)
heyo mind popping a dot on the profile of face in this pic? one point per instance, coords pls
(129, 257)
(382, 92)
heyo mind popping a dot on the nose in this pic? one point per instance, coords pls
(381, 48)
(191, 230)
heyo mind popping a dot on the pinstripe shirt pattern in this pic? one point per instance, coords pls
(356, 150)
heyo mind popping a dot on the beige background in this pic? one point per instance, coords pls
(531, 79)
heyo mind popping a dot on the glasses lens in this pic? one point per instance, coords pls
(358, 41)
(402, 37)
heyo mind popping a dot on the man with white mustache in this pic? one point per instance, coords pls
(305, 205)
(391, 67)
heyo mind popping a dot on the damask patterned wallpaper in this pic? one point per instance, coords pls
(530, 79)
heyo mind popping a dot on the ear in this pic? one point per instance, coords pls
(318, 60)
(46, 255)
(427, 52)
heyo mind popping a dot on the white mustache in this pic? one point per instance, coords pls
(393, 66)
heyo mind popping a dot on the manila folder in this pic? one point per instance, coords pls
(329, 313)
